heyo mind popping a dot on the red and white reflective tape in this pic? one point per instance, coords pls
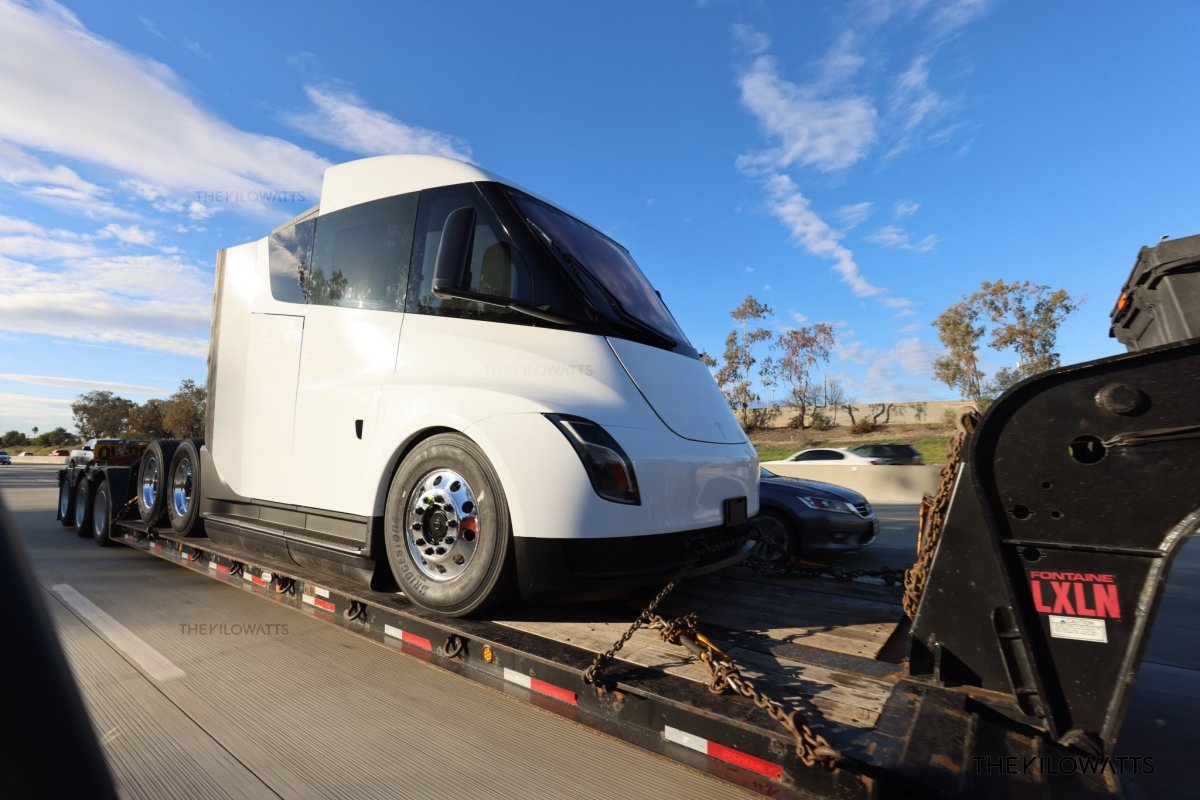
(407, 637)
(265, 580)
(316, 596)
(541, 687)
(221, 568)
(723, 753)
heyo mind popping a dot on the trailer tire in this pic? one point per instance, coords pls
(153, 475)
(102, 514)
(66, 503)
(447, 528)
(83, 508)
(183, 487)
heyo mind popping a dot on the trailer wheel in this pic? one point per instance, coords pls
(66, 503)
(102, 514)
(83, 508)
(447, 529)
(776, 536)
(152, 480)
(183, 490)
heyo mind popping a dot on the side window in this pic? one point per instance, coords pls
(290, 259)
(360, 255)
(496, 268)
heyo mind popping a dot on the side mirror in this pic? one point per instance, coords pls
(451, 270)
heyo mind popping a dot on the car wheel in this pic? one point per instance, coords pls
(66, 504)
(83, 508)
(776, 536)
(102, 515)
(447, 528)
(183, 490)
(152, 480)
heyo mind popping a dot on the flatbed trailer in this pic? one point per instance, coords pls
(1041, 576)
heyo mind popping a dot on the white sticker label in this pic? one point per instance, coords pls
(321, 592)
(266, 576)
(1081, 628)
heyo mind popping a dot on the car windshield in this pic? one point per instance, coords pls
(622, 292)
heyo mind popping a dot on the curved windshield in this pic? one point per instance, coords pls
(618, 286)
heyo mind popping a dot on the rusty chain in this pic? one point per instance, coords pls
(811, 747)
(932, 516)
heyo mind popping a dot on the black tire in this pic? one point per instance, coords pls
(777, 536)
(183, 490)
(83, 508)
(153, 474)
(474, 525)
(66, 503)
(102, 514)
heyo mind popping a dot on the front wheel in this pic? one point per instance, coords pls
(447, 529)
(776, 537)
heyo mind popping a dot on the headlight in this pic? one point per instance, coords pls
(609, 469)
(821, 504)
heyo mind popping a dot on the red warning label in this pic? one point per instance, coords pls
(1076, 594)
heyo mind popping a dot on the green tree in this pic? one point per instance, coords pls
(101, 413)
(183, 412)
(1022, 317)
(735, 375)
(146, 420)
(803, 349)
(13, 439)
(55, 438)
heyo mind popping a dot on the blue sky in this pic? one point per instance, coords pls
(862, 163)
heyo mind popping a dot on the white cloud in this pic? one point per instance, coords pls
(897, 238)
(797, 317)
(751, 40)
(341, 118)
(161, 136)
(153, 302)
(899, 371)
(853, 215)
(955, 15)
(130, 234)
(40, 248)
(912, 327)
(897, 302)
(904, 208)
(814, 234)
(82, 383)
(810, 130)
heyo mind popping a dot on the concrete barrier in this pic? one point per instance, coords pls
(19, 460)
(877, 483)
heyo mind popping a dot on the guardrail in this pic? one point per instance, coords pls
(877, 483)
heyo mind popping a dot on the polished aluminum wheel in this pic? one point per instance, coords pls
(441, 525)
(149, 493)
(181, 488)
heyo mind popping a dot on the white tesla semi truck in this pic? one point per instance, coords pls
(437, 382)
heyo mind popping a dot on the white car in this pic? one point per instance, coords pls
(826, 456)
(86, 453)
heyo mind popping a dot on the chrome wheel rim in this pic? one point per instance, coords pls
(441, 525)
(64, 499)
(772, 539)
(149, 482)
(181, 488)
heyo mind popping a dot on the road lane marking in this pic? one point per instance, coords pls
(152, 662)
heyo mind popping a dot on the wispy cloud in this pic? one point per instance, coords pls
(130, 234)
(161, 136)
(897, 238)
(60, 382)
(809, 126)
(814, 234)
(341, 118)
(904, 208)
(853, 215)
